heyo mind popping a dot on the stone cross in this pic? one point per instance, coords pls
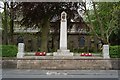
(63, 51)
(63, 32)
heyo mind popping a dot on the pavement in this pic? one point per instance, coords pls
(60, 74)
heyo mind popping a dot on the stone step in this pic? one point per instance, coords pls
(63, 54)
(63, 51)
(50, 54)
(33, 54)
(62, 57)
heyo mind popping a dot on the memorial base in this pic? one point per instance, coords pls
(20, 55)
(63, 53)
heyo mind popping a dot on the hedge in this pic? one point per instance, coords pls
(115, 51)
(0, 50)
(9, 51)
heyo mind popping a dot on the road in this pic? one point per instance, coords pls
(12, 74)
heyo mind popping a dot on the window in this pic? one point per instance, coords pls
(82, 41)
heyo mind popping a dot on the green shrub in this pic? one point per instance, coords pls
(9, 51)
(115, 51)
(0, 50)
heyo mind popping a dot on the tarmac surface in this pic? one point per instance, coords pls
(26, 74)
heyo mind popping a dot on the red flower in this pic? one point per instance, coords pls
(40, 53)
(86, 54)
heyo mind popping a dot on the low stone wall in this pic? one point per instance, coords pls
(62, 64)
(9, 64)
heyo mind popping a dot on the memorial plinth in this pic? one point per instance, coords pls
(106, 52)
(20, 53)
(63, 51)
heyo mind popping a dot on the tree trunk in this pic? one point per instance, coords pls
(44, 35)
(108, 39)
(5, 24)
(11, 23)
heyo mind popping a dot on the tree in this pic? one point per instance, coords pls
(103, 19)
(5, 23)
(114, 37)
(8, 21)
(11, 21)
(39, 14)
